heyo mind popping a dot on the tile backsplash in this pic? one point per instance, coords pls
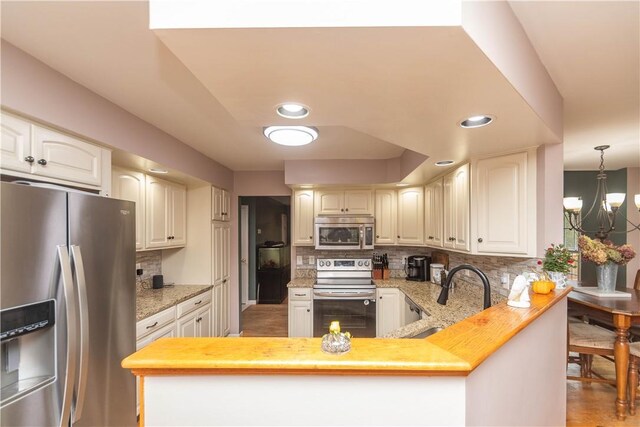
(151, 264)
(493, 266)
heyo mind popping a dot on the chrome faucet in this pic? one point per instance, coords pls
(444, 293)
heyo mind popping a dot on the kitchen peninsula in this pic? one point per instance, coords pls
(488, 369)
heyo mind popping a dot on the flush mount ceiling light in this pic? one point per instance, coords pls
(444, 163)
(156, 170)
(291, 135)
(291, 110)
(476, 121)
(402, 184)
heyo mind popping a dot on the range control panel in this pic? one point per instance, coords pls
(21, 320)
(341, 264)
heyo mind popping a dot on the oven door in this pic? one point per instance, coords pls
(338, 236)
(355, 310)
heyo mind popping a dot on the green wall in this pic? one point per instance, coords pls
(583, 184)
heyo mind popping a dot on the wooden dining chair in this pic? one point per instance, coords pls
(634, 365)
(588, 341)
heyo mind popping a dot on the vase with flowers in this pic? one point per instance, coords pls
(607, 257)
(556, 264)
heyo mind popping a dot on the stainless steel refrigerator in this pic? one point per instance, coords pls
(67, 307)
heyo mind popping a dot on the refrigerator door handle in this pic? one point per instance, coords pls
(81, 378)
(72, 320)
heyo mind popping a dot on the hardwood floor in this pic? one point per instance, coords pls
(265, 320)
(587, 404)
(593, 404)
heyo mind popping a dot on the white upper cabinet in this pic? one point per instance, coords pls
(16, 144)
(166, 213)
(349, 202)
(303, 217)
(130, 185)
(434, 208)
(29, 149)
(386, 216)
(411, 216)
(500, 202)
(63, 157)
(456, 209)
(221, 204)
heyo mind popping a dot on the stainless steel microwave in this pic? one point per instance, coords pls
(344, 233)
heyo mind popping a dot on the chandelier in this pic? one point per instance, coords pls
(607, 204)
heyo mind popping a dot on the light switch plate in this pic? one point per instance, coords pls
(312, 260)
(299, 259)
(504, 280)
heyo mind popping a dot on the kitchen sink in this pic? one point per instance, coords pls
(427, 333)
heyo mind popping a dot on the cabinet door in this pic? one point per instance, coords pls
(225, 320)
(358, 202)
(157, 212)
(63, 157)
(177, 215)
(461, 204)
(433, 213)
(448, 241)
(130, 185)
(329, 203)
(203, 320)
(188, 325)
(216, 318)
(15, 144)
(386, 217)
(303, 218)
(226, 206)
(217, 201)
(411, 216)
(300, 319)
(217, 252)
(501, 203)
(388, 314)
(226, 252)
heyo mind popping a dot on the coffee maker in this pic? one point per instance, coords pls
(417, 268)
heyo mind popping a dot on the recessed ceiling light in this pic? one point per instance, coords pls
(292, 110)
(402, 184)
(156, 170)
(476, 121)
(305, 186)
(444, 163)
(291, 135)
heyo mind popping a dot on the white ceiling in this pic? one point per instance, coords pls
(592, 52)
(373, 92)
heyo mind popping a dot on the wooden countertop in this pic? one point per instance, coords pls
(455, 351)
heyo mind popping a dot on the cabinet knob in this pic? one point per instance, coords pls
(311, 237)
(479, 239)
(377, 236)
(398, 237)
(42, 162)
(381, 297)
(347, 209)
(341, 210)
(308, 310)
(430, 237)
(29, 159)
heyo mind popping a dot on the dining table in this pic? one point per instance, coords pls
(621, 313)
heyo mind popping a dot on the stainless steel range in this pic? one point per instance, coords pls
(344, 292)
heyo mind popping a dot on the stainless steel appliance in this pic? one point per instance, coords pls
(417, 268)
(68, 308)
(344, 233)
(344, 292)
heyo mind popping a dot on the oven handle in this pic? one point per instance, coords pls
(344, 295)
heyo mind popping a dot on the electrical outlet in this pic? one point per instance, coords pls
(138, 266)
(404, 260)
(259, 231)
(504, 280)
(299, 259)
(312, 260)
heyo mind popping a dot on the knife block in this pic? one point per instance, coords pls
(380, 274)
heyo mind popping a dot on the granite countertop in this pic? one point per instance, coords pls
(464, 301)
(152, 301)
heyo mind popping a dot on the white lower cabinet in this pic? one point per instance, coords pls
(300, 312)
(195, 324)
(389, 310)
